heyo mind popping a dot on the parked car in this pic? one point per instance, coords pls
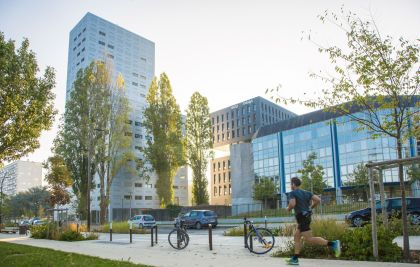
(39, 222)
(198, 218)
(24, 223)
(143, 221)
(32, 220)
(393, 206)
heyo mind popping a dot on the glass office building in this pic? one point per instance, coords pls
(279, 150)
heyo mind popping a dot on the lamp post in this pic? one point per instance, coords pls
(89, 175)
(1, 197)
(131, 197)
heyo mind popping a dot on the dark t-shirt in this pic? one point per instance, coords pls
(303, 200)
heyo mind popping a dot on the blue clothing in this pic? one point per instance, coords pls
(303, 200)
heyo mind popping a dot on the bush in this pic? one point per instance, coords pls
(45, 231)
(53, 232)
(82, 227)
(69, 235)
(357, 244)
(122, 228)
(285, 230)
(236, 231)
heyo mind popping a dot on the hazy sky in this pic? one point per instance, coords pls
(229, 51)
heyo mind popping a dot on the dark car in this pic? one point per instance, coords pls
(393, 206)
(198, 219)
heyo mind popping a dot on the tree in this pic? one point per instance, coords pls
(26, 101)
(312, 175)
(199, 142)
(59, 179)
(360, 180)
(81, 132)
(30, 202)
(379, 78)
(264, 190)
(165, 150)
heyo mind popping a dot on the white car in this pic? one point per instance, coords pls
(143, 221)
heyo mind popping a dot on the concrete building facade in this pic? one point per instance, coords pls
(132, 56)
(231, 127)
(19, 176)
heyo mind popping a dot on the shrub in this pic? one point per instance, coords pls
(69, 235)
(357, 244)
(45, 231)
(285, 230)
(236, 231)
(73, 227)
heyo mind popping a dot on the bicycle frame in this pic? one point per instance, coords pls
(260, 238)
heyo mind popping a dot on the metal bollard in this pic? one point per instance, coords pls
(250, 238)
(77, 227)
(245, 233)
(110, 232)
(211, 236)
(151, 236)
(177, 238)
(265, 222)
(131, 233)
(156, 234)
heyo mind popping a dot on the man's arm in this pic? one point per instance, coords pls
(292, 204)
(315, 201)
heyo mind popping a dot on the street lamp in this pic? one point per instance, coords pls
(89, 176)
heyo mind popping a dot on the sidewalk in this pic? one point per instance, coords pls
(227, 251)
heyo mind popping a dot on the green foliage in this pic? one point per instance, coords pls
(53, 232)
(265, 189)
(58, 178)
(123, 228)
(359, 179)
(357, 244)
(165, 151)
(312, 175)
(96, 111)
(69, 235)
(28, 203)
(26, 101)
(236, 231)
(199, 142)
(21, 256)
(174, 210)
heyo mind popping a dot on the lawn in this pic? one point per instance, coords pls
(22, 255)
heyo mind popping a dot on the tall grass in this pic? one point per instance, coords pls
(122, 228)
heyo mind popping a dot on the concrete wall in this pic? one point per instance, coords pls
(242, 178)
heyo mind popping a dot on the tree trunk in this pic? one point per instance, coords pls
(403, 203)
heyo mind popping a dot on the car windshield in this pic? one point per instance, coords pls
(148, 218)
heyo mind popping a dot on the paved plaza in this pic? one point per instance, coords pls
(227, 251)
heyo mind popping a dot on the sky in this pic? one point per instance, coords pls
(229, 51)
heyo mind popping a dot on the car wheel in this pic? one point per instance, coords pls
(198, 226)
(357, 221)
(415, 219)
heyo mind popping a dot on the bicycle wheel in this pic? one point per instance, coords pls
(260, 241)
(178, 239)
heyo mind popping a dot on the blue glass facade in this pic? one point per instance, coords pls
(338, 143)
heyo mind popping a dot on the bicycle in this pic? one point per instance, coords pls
(259, 240)
(178, 237)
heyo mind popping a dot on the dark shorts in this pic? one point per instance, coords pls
(304, 222)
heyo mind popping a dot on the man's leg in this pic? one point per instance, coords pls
(298, 241)
(335, 245)
(307, 236)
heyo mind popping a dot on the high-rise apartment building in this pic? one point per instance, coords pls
(94, 38)
(20, 175)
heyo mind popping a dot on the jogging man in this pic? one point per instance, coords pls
(302, 202)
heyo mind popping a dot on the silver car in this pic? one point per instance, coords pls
(143, 221)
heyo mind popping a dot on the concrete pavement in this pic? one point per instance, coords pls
(227, 251)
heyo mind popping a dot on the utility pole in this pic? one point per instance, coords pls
(88, 181)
